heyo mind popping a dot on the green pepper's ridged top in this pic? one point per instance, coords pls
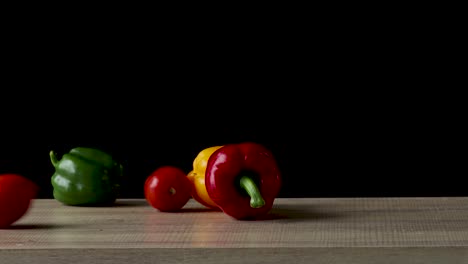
(86, 176)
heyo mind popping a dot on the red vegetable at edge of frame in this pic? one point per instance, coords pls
(243, 180)
(16, 194)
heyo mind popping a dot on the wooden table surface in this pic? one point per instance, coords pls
(299, 230)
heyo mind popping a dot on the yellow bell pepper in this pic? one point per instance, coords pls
(197, 177)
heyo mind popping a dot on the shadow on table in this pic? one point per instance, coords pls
(33, 226)
(196, 210)
(130, 203)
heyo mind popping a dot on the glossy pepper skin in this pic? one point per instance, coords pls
(16, 195)
(86, 177)
(243, 180)
(197, 178)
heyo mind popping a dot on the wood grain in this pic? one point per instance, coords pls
(334, 230)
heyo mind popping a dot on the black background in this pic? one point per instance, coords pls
(348, 107)
(326, 144)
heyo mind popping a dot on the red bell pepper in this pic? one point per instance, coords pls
(243, 180)
(16, 195)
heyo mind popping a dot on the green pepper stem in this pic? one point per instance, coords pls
(53, 158)
(256, 199)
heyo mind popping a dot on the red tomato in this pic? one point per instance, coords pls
(16, 193)
(168, 189)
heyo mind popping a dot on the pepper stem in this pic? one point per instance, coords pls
(53, 158)
(256, 199)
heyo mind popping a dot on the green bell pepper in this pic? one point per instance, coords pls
(86, 177)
